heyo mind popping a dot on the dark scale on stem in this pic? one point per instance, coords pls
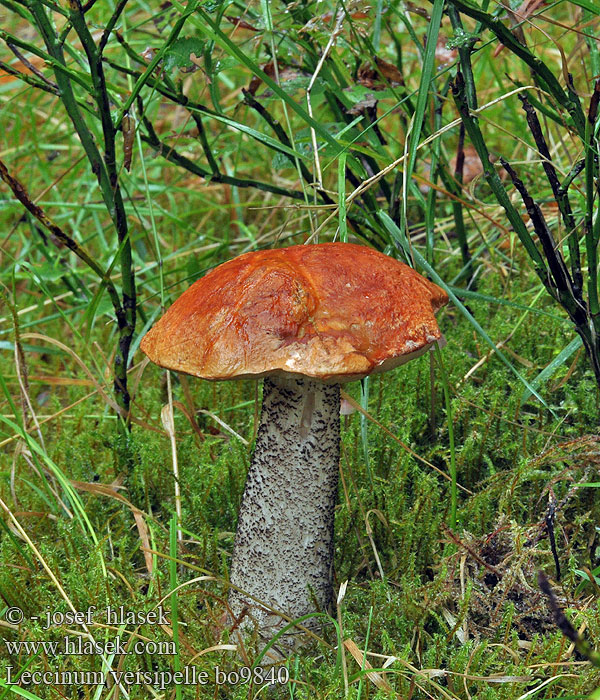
(283, 550)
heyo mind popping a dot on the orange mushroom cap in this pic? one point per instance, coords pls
(331, 311)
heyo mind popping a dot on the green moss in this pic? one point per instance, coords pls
(415, 591)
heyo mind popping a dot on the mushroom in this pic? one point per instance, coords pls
(307, 318)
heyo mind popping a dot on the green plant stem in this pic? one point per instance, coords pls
(464, 55)
(105, 171)
(173, 529)
(493, 179)
(360, 223)
(559, 283)
(32, 68)
(173, 156)
(29, 79)
(592, 43)
(50, 60)
(547, 79)
(283, 137)
(465, 49)
(591, 240)
(430, 206)
(197, 110)
(110, 25)
(17, 9)
(58, 235)
(561, 195)
(423, 94)
(114, 202)
(454, 185)
(147, 74)
(279, 131)
(573, 173)
(563, 623)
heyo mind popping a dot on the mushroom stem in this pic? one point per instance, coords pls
(283, 552)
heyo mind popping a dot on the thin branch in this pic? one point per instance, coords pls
(103, 167)
(561, 195)
(476, 137)
(23, 196)
(545, 75)
(559, 283)
(456, 207)
(114, 200)
(31, 67)
(463, 545)
(44, 55)
(172, 155)
(563, 623)
(147, 74)
(197, 117)
(562, 287)
(110, 25)
(279, 131)
(464, 53)
(573, 173)
(26, 78)
(592, 222)
(88, 6)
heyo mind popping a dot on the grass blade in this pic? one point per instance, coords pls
(397, 236)
(550, 369)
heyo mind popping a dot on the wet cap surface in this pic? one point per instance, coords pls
(333, 311)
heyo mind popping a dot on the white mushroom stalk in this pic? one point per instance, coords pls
(283, 552)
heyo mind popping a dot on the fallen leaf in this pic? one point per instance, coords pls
(472, 166)
(379, 75)
(284, 72)
(525, 10)
(241, 23)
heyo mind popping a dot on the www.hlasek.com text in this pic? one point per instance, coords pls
(78, 646)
